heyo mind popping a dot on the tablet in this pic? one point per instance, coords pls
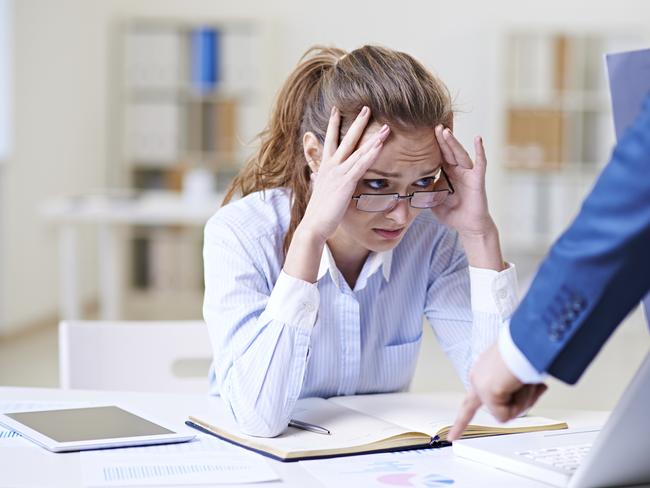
(80, 429)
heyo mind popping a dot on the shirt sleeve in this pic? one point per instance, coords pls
(466, 306)
(260, 332)
(515, 360)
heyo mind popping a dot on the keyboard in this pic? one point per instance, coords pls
(566, 458)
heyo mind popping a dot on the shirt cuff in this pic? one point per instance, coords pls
(494, 291)
(294, 302)
(517, 363)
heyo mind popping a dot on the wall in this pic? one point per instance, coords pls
(62, 94)
(6, 51)
(60, 142)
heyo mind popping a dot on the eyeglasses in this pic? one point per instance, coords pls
(385, 202)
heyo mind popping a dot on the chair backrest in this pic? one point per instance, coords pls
(160, 356)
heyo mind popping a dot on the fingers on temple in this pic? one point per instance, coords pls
(479, 150)
(353, 135)
(372, 145)
(361, 160)
(447, 153)
(460, 155)
(332, 134)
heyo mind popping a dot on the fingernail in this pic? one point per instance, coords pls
(364, 111)
(446, 133)
(333, 112)
(384, 129)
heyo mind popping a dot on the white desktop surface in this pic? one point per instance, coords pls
(64, 470)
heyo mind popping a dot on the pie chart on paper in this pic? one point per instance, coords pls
(412, 479)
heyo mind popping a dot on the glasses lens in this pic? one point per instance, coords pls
(375, 203)
(428, 199)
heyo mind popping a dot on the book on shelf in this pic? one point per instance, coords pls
(363, 424)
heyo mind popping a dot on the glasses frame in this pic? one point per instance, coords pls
(397, 197)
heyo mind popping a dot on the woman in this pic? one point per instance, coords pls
(360, 214)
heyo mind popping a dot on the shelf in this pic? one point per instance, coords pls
(187, 96)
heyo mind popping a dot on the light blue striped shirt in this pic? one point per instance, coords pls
(277, 338)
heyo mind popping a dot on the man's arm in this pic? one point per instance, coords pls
(594, 275)
(598, 270)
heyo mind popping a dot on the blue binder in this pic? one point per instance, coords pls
(205, 59)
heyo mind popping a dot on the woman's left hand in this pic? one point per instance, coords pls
(466, 210)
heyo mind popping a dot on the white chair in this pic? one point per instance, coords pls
(160, 356)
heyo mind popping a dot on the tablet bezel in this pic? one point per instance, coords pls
(68, 446)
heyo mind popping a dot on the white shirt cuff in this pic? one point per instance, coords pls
(517, 363)
(294, 302)
(494, 291)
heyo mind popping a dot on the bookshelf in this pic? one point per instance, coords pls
(557, 127)
(188, 99)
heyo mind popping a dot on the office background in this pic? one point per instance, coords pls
(64, 112)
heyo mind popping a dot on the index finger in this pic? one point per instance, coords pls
(468, 409)
(353, 134)
(461, 156)
(332, 134)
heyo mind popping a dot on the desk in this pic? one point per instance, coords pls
(63, 470)
(108, 213)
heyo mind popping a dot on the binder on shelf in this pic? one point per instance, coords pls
(240, 61)
(204, 59)
(153, 58)
(225, 125)
(154, 133)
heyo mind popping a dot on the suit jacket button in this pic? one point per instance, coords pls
(578, 305)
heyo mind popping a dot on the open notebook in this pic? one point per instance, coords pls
(363, 424)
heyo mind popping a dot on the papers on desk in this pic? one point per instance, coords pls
(204, 461)
(426, 468)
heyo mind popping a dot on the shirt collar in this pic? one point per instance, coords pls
(374, 261)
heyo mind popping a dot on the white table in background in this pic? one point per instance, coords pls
(108, 212)
(64, 470)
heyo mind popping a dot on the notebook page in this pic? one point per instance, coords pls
(428, 413)
(348, 428)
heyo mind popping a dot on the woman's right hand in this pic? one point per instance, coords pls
(340, 169)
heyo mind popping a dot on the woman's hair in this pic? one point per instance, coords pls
(399, 91)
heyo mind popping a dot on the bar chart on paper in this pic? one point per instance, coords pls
(205, 461)
(194, 469)
(8, 434)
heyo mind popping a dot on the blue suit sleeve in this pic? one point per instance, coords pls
(597, 271)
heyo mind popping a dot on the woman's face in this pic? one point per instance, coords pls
(407, 163)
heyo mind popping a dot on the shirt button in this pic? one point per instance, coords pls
(309, 307)
(502, 294)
